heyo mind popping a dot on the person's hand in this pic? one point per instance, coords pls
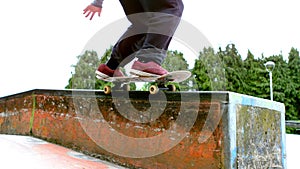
(91, 10)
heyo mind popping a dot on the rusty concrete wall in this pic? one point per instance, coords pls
(88, 121)
(15, 114)
(54, 118)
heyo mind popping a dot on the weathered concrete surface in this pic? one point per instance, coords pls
(257, 138)
(211, 134)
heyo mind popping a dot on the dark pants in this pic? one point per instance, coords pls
(153, 23)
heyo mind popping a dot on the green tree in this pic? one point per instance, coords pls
(209, 71)
(255, 77)
(175, 61)
(84, 76)
(284, 88)
(234, 71)
(293, 88)
(250, 77)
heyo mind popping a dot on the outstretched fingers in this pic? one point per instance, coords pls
(91, 10)
(93, 13)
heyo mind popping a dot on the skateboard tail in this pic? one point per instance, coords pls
(179, 76)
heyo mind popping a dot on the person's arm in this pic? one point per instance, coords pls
(98, 3)
(95, 7)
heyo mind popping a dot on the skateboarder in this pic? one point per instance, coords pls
(153, 23)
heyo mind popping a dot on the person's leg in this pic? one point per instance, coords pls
(132, 40)
(153, 25)
(163, 19)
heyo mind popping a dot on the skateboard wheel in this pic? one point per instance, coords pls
(107, 89)
(171, 87)
(153, 89)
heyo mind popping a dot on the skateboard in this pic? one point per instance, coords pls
(123, 82)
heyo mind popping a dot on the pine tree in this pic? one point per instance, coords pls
(175, 61)
(209, 71)
(84, 76)
(234, 70)
(293, 88)
(255, 77)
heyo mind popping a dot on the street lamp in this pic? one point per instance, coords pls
(269, 67)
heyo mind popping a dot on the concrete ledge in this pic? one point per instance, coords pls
(138, 130)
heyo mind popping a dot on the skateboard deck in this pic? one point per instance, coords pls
(175, 76)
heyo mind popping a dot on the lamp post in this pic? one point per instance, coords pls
(269, 67)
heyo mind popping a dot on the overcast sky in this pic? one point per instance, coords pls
(39, 40)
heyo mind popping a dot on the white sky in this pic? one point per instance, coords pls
(39, 40)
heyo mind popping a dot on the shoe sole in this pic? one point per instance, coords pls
(100, 75)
